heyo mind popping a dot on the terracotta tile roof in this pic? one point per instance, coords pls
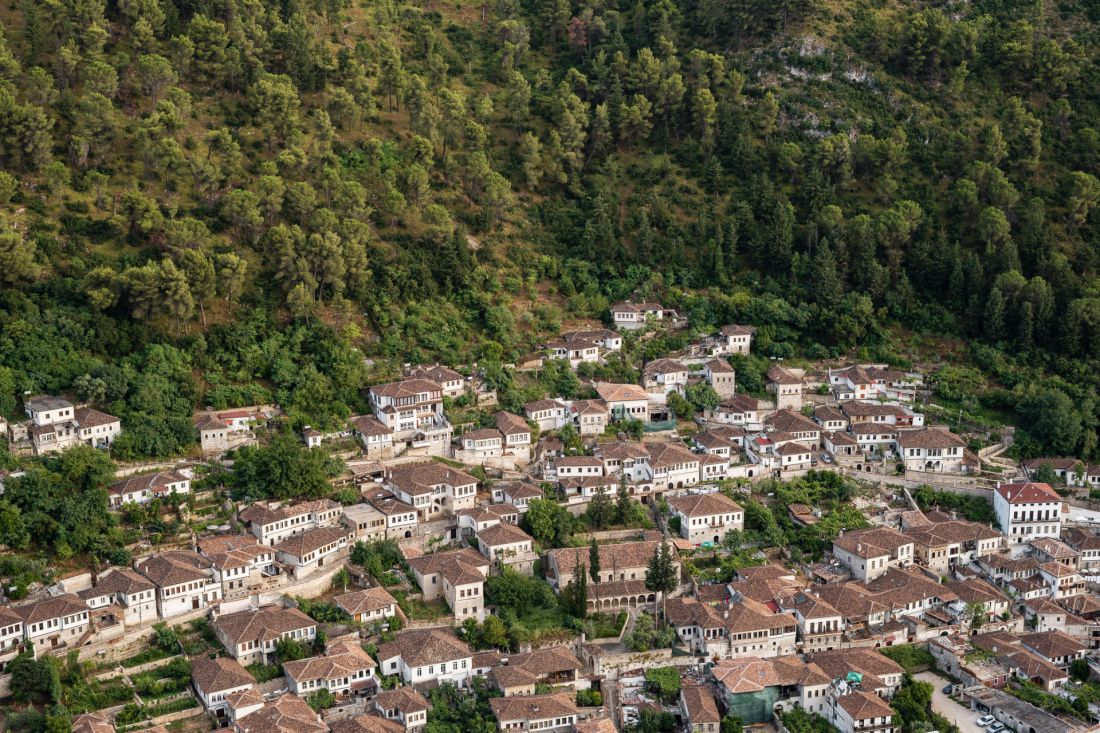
(839, 662)
(421, 647)
(840, 438)
(407, 388)
(532, 707)
(938, 534)
(873, 542)
(929, 438)
(218, 675)
(86, 417)
(662, 455)
(737, 330)
(173, 568)
(1057, 570)
(719, 366)
(339, 661)
(590, 407)
(306, 542)
(623, 555)
(482, 434)
(1044, 607)
(389, 504)
(790, 421)
(262, 514)
(793, 449)
(764, 589)
(700, 705)
(578, 461)
(261, 625)
(287, 713)
(51, 608)
(611, 392)
(1052, 644)
(369, 425)
(811, 606)
(874, 428)
(459, 567)
(244, 698)
(664, 366)
(503, 534)
(825, 413)
(155, 482)
(437, 373)
(704, 505)
(752, 674)
(406, 700)
(859, 408)
(780, 375)
(421, 478)
(862, 705)
(365, 601)
(92, 723)
(1081, 539)
(510, 424)
(1028, 493)
(370, 723)
(542, 405)
(621, 450)
(976, 590)
(1082, 604)
(224, 543)
(118, 580)
(740, 403)
(240, 557)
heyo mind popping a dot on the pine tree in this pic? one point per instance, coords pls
(594, 560)
(660, 575)
(622, 507)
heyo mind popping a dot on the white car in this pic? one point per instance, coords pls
(996, 727)
(985, 720)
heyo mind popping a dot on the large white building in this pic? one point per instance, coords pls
(707, 517)
(1027, 511)
(426, 655)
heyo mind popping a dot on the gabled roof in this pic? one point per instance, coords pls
(664, 366)
(406, 700)
(118, 580)
(340, 660)
(175, 567)
(700, 705)
(287, 713)
(219, 674)
(365, 601)
(781, 375)
(422, 478)
(503, 534)
(39, 403)
(610, 392)
(306, 542)
(51, 608)
(1052, 644)
(86, 417)
(369, 425)
(793, 449)
(719, 366)
(406, 388)
(704, 505)
(370, 723)
(261, 625)
(155, 482)
(790, 421)
(436, 373)
(421, 647)
(737, 330)
(532, 707)
(862, 705)
(262, 514)
(740, 403)
(458, 567)
(873, 542)
(929, 438)
(621, 555)
(510, 424)
(1031, 492)
(542, 405)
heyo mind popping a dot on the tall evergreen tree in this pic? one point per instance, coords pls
(594, 560)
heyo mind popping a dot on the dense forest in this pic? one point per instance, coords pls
(215, 202)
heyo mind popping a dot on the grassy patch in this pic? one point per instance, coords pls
(265, 672)
(151, 654)
(912, 657)
(417, 609)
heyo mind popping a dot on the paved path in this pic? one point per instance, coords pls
(957, 713)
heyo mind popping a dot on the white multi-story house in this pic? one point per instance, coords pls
(549, 712)
(793, 457)
(240, 563)
(251, 636)
(216, 679)
(508, 546)
(413, 409)
(401, 517)
(873, 382)
(55, 623)
(344, 668)
(477, 445)
(736, 339)
(672, 465)
(740, 410)
(629, 316)
(143, 489)
(624, 401)
(376, 437)
(516, 432)
(426, 655)
(578, 466)
(11, 630)
(453, 383)
(129, 590)
(56, 425)
(520, 494)
(457, 576)
(665, 375)
(184, 580)
(312, 550)
(547, 414)
(796, 425)
(869, 553)
(707, 517)
(605, 339)
(820, 626)
(368, 605)
(589, 417)
(272, 523)
(576, 352)
(930, 449)
(404, 705)
(436, 490)
(1028, 511)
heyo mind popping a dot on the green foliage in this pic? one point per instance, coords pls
(664, 682)
(35, 681)
(799, 720)
(321, 700)
(283, 469)
(377, 558)
(646, 635)
(912, 657)
(265, 672)
(548, 522)
(974, 508)
(291, 650)
(322, 611)
(452, 711)
(589, 698)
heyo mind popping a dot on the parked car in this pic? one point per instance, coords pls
(826, 458)
(996, 727)
(947, 689)
(985, 720)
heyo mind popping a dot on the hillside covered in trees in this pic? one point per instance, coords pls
(235, 201)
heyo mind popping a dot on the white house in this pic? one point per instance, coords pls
(216, 679)
(130, 590)
(143, 489)
(547, 414)
(721, 377)
(624, 401)
(707, 517)
(185, 581)
(251, 636)
(436, 490)
(1027, 511)
(54, 623)
(344, 668)
(426, 655)
(629, 316)
(930, 449)
(665, 375)
(312, 550)
(272, 523)
(376, 437)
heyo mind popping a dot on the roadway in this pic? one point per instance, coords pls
(957, 713)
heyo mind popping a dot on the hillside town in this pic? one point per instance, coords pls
(673, 553)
